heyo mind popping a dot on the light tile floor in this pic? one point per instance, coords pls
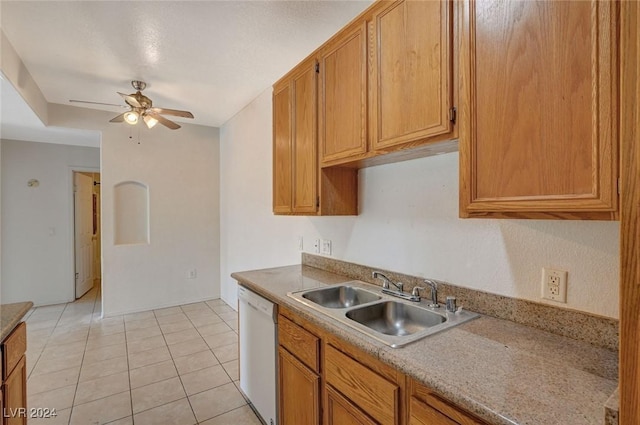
(173, 366)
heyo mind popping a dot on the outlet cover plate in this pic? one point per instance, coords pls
(554, 285)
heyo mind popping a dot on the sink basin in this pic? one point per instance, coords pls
(395, 318)
(340, 296)
(381, 316)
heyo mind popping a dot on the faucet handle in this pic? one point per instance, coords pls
(434, 292)
(380, 275)
(432, 283)
(416, 291)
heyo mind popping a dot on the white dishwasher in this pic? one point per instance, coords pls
(258, 347)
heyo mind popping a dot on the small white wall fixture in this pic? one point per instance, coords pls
(131, 213)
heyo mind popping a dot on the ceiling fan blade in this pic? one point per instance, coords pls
(162, 120)
(175, 112)
(131, 100)
(119, 118)
(97, 103)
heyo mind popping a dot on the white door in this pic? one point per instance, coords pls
(83, 213)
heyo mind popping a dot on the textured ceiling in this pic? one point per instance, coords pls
(209, 57)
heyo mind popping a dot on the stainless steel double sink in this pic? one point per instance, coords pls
(388, 319)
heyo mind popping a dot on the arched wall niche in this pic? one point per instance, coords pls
(131, 213)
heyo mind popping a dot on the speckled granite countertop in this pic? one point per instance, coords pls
(10, 316)
(503, 372)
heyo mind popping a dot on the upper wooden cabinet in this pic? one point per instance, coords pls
(411, 72)
(538, 109)
(343, 95)
(294, 142)
(299, 186)
(282, 149)
(386, 84)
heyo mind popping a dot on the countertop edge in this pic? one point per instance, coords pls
(11, 315)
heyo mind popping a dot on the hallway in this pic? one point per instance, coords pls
(177, 365)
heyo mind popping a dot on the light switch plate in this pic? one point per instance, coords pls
(326, 247)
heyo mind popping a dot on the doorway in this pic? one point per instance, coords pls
(87, 238)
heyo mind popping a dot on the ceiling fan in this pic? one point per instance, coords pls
(140, 106)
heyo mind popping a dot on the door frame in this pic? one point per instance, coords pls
(71, 247)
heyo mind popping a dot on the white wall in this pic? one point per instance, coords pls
(37, 228)
(409, 223)
(181, 169)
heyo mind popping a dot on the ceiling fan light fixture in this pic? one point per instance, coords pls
(131, 117)
(139, 107)
(149, 121)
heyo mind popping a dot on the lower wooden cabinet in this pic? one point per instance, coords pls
(299, 391)
(14, 377)
(323, 379)
(14, 391)
(340, 411)
(422, 414)
(365, 388)
(428, 408)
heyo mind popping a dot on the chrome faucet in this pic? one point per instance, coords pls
(386, 281)
(434, 292)
(386, 288)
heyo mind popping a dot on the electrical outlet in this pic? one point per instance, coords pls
(326, 247)
(554, 285)
(316, 246)
(192, 274)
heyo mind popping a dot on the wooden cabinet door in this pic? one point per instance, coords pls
(343, 96)
(299, 392)
(539, 115)
(305, 144)
(295, 145)
(411, 72)
(340, 411)
(282, 149)
(14, 392)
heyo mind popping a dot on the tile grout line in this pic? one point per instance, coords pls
(47, 340)
(126, 351)
(174, 364)
(83, 354)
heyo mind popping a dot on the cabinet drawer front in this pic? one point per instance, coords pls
(459, 416)
(13, 348)
(421, 414)
(368, 390)
(303, 344)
